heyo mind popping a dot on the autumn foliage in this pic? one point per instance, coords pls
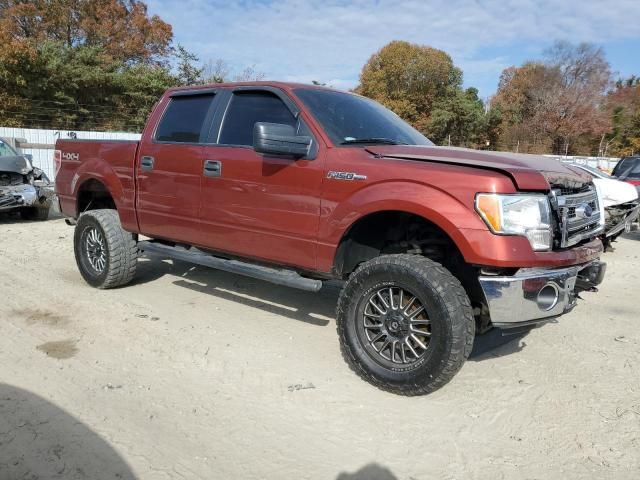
(81, 63)
(557, 104)
(563, 103)
(423, 86)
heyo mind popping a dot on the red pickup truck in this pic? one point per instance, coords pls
(298, 184)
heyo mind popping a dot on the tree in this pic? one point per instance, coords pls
(219, 71)
(458, 119)
(216, 71)
(249, 74)
(90, 64)
(409, 79)
(623, 105)
(188, 72)
(121, 28)
(550, 105)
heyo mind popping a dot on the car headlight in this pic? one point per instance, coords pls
(519, 214)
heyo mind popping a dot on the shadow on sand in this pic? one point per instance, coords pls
(372, 471)
(13, 217)
(313, 308)
(39, 440)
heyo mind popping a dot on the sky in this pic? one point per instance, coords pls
(329, 41)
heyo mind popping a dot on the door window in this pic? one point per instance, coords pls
(184, 119)
(246, 109)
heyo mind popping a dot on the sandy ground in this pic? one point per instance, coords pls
(197, 374)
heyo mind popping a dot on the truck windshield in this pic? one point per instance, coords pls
(630, 168)
(6, 150)
(350, 119)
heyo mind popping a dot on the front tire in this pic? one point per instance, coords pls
(106, 254)
(405, 324)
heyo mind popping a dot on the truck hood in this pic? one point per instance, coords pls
(528, 172)
(17, 164)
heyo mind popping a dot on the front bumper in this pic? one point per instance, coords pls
(17, 196)
(535, 295)
(621, 217)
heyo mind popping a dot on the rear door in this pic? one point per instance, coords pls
(261, 206)
(169, 166)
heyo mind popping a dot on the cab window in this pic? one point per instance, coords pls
(184, 119)
(247, 108)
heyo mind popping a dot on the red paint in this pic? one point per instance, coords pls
(288, 212)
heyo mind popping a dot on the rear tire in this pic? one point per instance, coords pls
(430, 337)
(106, 254)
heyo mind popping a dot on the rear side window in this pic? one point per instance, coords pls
(184, 119)
(246, 109)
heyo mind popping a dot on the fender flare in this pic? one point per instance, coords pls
(102, 172)
(428, 202)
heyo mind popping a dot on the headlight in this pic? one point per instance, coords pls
(525, 215)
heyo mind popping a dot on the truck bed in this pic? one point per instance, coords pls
(111, 162)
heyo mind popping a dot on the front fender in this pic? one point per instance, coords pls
(426, 201)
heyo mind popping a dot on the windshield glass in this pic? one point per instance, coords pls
(6, 150)
(351, 119)
(630, 169)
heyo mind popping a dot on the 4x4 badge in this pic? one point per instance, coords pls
(346, 176)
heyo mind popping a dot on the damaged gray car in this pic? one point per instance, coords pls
(23, 188)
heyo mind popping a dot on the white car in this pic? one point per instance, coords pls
(619, 199)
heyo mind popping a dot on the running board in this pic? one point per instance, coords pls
(288, 278)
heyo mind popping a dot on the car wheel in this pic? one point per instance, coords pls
(405, 324)
(106, 254)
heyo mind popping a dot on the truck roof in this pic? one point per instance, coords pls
(282, 85)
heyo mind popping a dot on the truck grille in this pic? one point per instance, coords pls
(578, 214)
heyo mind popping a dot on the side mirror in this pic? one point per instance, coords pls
(29, 157)
(279, 139)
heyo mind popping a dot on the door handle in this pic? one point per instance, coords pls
(146, 163)
(212, 168)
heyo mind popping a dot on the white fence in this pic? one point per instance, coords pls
(606, 163)
(41, 143)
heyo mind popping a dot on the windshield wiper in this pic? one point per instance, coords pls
(381, 140)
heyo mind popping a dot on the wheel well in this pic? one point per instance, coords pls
(93, 195)
(391, 232)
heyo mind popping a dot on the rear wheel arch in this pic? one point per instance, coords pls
(93, 194)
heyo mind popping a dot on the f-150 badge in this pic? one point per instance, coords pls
(346, 176)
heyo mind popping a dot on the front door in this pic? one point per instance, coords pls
(169, 168)
(261, 206)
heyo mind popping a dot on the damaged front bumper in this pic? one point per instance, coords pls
(26, 195)
(537, 295)
(620, 217)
